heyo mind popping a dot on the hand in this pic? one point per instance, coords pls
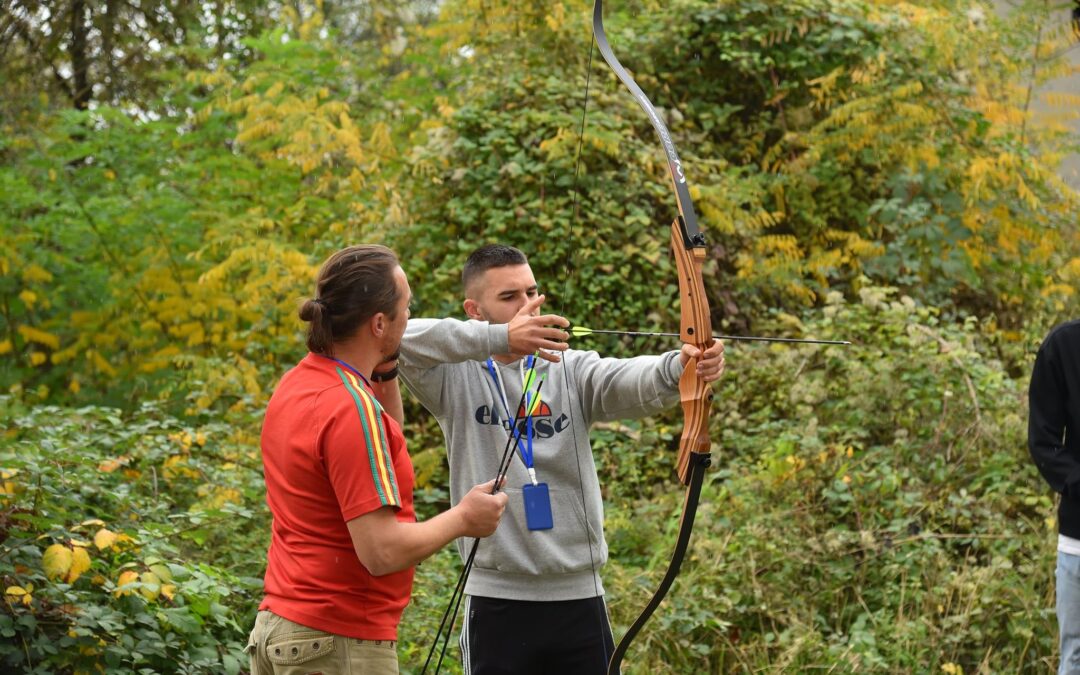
(710, 363)
(530, 332)
(480, 510)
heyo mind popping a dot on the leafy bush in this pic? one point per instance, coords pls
(105, 520)
(872, 507)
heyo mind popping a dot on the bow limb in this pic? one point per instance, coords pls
(690, 230)
(698, 464)
(689, 245)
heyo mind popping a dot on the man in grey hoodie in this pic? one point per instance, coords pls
(535, 598)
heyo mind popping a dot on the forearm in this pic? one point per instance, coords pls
(389, 396)
(414, 542)
(385, 545)
(432, 342)
(631, 388)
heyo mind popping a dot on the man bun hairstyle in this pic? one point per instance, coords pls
(487, 257)
(354, 284)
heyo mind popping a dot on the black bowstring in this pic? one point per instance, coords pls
(568, 267)
(571, 402)
(504, 466)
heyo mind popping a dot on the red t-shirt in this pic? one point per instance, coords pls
(331, 454)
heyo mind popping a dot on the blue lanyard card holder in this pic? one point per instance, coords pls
(537, 506)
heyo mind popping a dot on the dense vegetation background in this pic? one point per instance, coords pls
(173, 173)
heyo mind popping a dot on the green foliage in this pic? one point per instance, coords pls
(139, 245)
(863, 170)
(834, 142)
(901, 529)
(139, 499)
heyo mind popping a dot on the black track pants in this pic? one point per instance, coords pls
(519, 637)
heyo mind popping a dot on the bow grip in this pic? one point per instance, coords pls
(695, 329)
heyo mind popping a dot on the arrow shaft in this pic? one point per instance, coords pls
(747, 338)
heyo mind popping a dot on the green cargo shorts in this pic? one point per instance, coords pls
(278, 646)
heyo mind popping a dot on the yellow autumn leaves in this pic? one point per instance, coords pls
(786, 467)
(19, 595)
(151, 583)
(67, 562)
(8, 487)
(31, 274)
(105, 538)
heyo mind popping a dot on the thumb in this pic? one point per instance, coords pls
(490, 487)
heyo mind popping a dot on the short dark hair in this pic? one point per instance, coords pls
(354, 284)
(487, 257)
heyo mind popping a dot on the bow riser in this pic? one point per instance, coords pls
(696, 329)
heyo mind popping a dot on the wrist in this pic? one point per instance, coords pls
(503, 344)
(385, 376)
(459, 526)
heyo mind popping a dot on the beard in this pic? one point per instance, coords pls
(393, 357)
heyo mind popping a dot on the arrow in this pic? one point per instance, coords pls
(582, 331)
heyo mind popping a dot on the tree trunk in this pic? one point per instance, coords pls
(80, 63)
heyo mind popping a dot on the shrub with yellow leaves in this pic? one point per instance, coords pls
(65, 563)
(78, 580)
(19, 595)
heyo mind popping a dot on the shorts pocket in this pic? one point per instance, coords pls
(297, 648)
(249, 651)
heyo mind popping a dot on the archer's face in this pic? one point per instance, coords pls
(500, 293)
(396, 326)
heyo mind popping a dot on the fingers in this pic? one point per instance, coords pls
(553, 335)
(528, 333)
(489, 488)
(717, 348)
(554, 320)
(709, 364)
(713, 373)
(531, 306)
(481, 510)
(548, 356)
(551, 343)
(540, 329)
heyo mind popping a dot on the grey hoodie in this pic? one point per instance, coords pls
(443, 362)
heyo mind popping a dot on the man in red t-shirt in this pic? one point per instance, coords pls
(339, 483)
